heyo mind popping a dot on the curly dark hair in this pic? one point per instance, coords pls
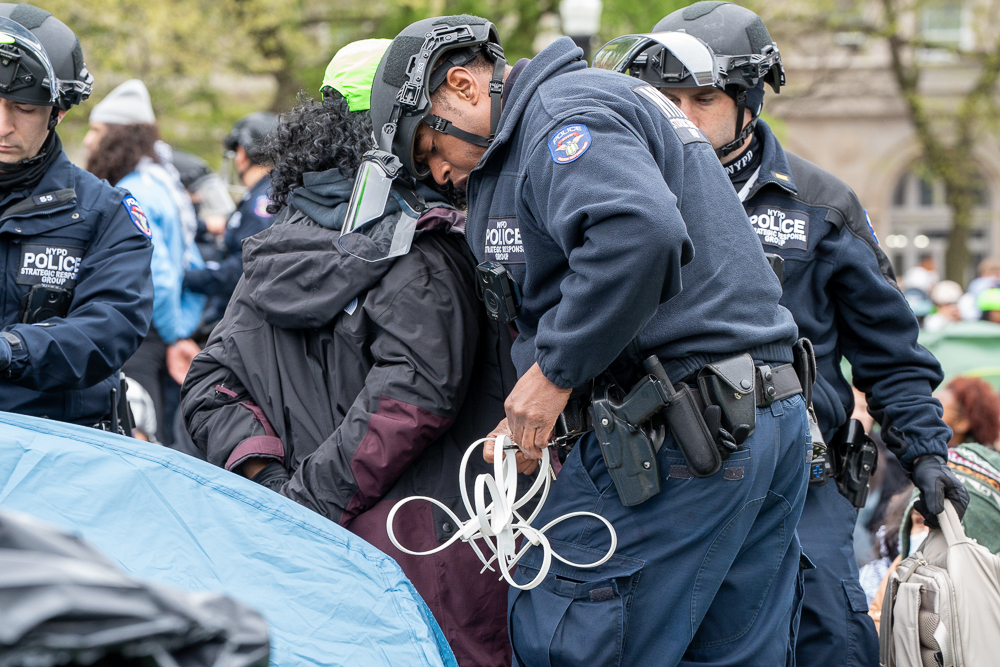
(313, 136)
(978, 403)
(120, 150)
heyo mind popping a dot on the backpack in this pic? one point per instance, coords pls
(942, 604)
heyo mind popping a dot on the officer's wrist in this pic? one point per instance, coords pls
(11, 348)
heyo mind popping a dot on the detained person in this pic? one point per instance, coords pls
(347, 384)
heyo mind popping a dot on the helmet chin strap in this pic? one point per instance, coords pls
(496, 93)
(742, 132)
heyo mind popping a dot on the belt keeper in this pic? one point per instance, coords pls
(767, 390)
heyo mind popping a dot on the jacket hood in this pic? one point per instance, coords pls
(324, 196)
(297, 274)
(561, 55)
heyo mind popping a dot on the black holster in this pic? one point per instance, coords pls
(855, 461)
(628, 451)
(629, 441)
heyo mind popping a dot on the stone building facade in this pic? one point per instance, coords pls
(841, 110)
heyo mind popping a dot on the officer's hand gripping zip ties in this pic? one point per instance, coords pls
(499, 524)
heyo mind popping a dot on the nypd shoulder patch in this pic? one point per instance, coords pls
(260, 206)
(871, 228)
(569, 143)
(138, 216)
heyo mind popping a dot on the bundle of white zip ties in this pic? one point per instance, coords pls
(498, 523)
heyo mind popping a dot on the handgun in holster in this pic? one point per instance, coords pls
(630, 442)
(855, 459)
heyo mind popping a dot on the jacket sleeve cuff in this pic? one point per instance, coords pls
(256, 447)
(925, 448)
(554, 375)
(18, 356)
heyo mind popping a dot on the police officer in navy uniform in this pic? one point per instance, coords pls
(75, 252)
(840, 288)
(218, 279)
(595, 202)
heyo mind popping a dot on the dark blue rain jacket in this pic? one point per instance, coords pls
(78, 233)
(614, 215)
(840, 287)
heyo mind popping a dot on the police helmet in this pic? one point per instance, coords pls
(41, 61)
(741, 44)
(415, 65)
(249, 131)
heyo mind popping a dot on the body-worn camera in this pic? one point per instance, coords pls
(499, 291)
(42, 303)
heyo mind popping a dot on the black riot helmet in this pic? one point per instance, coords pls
(738, 35)
(416, 64)
(249, 131)
(41, 61)
(706, 44)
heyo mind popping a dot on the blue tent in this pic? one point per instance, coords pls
(328, 596)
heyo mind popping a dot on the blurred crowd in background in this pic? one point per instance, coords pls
(198, 229)
(940, 303)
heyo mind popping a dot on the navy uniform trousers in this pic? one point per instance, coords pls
(835, 628)
(705, 572)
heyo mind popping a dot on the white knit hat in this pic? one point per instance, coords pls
(128, 104)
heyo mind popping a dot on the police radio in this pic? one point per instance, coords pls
(499, 291)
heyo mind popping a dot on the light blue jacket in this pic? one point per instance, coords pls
(176, 312)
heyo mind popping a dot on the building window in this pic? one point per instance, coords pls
(948, 23)
(920, 222)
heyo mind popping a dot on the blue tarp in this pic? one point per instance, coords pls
(329, 597)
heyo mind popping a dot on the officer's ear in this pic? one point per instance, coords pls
(62, 114)
(464, 85)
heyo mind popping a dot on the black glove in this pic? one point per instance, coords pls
(936, 482)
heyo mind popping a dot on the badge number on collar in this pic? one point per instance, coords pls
(51, 265)
(503, 241)
(780, 228)
(569, 143)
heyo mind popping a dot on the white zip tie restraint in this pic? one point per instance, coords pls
(498, 523)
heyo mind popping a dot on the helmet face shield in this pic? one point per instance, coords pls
(371, 189)
(16, 42)
(375, 229)
(686, 56)
(680, 60)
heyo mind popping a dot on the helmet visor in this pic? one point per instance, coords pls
(213, 193)
(690, 57)
(379, 224)
(15, 76)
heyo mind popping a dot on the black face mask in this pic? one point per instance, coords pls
(742, 167)
(26, 174)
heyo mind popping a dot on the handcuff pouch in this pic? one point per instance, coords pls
(729, 384)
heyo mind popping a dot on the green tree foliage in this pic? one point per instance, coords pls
(209, 62)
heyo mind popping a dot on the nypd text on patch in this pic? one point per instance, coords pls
(780, 228)
(503, 241)
(685, 130)
(51, 265)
